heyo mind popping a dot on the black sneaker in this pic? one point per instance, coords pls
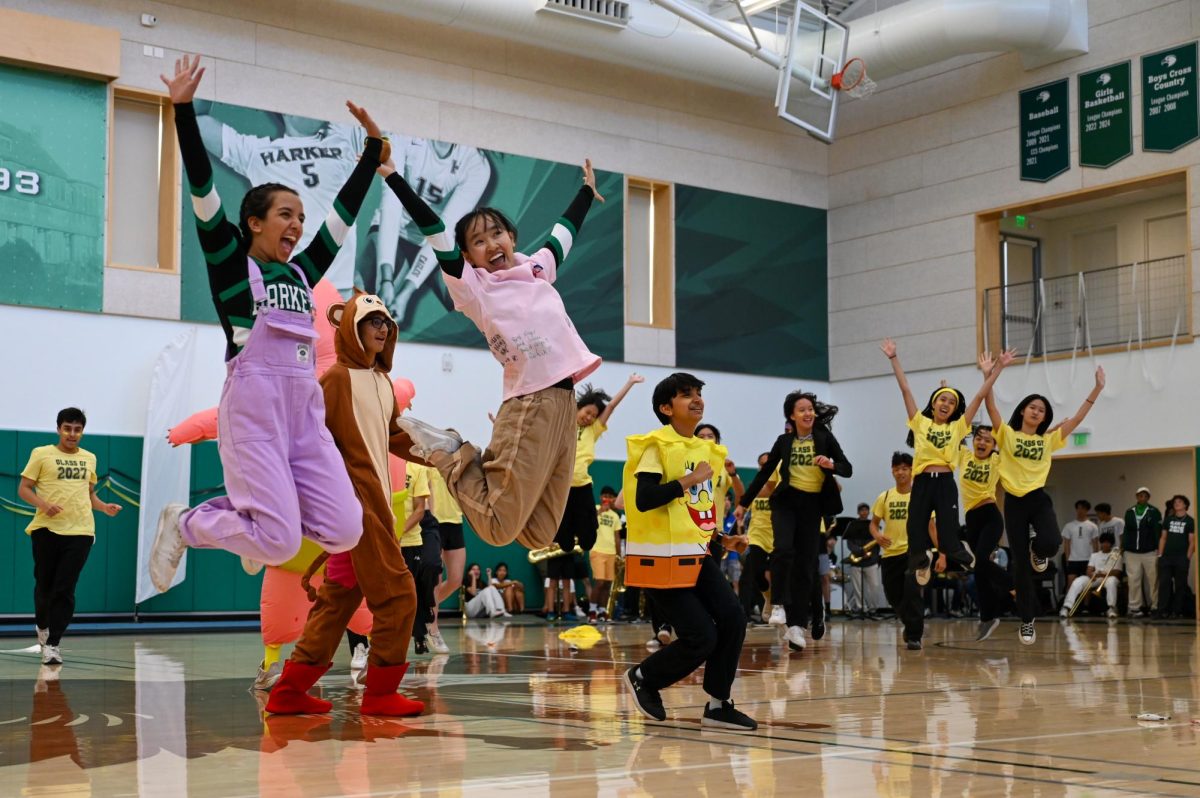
(1039, 563)
(648, 701)
(727, 717)
(818, 625)
(1027, 634)
(985, 629)
(912, 645)
(420, 646)
(965, 558)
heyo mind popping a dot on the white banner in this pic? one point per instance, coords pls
(166, 470)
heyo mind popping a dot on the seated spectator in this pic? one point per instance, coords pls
(512, 590)
(1098, 565)
(483, 600)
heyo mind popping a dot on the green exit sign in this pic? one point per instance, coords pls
(1019, 220)
(1080, 438)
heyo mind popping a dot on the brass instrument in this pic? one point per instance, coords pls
(1114, 557)
(550, 552)
(866, 552)
(618, 587)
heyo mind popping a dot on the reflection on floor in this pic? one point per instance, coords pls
(515, 708)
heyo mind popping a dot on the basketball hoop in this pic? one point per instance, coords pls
(853, 79)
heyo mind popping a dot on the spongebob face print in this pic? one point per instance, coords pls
(699, 502)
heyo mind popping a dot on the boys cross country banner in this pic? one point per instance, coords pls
(53, 163)
(385, 253)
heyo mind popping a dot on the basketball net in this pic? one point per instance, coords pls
(853, 79)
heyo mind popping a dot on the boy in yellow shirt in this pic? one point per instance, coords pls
(60, 481)
(604, 554)
(673, 516)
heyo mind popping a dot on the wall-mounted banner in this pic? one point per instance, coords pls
(1170, 115)
(1105, 116)
(1045, 138)
(386, 253)
(53, 162)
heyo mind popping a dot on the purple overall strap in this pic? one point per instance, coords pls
(259, 291)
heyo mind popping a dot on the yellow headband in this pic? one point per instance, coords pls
(941, 391)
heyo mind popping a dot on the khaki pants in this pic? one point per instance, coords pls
(1142, 570)
(517, 489)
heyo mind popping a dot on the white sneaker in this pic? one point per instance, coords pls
(43, 635)
(168, 548)
(1040, 564)
(1063, 613)
(1112, 612)
(437, 643)
(251, 567)
(51, 655)
(923, 575)
(1027, 634)
(358, 660)
(778, 616)
(795, 638)
(653, 644)
(664, 635)
(427, 438)
(266, 679)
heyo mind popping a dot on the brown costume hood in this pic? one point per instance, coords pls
(345, 317)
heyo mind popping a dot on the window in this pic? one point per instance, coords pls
(143, 176)
(649, 254)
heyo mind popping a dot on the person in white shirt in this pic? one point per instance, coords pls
(1098, 565)
(1108, 523)
(1079, 542)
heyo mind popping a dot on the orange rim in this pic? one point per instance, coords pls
(838, 80)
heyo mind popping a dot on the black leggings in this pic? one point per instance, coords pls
(904, 595)
(1033, 510)
(796, 520)
(57, 563)
(753, 583)
(985, 526)
(933, 493)
(425, 562)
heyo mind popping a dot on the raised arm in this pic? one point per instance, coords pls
(910, 405)
(1068, 426)
(633, 380)
(991, 372)
(434, 229)
(318, 256)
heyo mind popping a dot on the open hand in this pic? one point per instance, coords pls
(188, 72)
(589, 178)
(364, 119)
(888, 347)
(1101, 380)
(986, 363)
(636, 378)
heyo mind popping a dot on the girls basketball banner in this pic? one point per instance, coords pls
(1105, 116)
(386, 253)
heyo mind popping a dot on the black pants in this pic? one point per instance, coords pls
(985, 526)
(57, 563)
(753, 583)
(796, 521)
(1172, 583)
(710, 628)
(904, 595)
(579, 521)
(1035, 510)
(933, 493)
(425, 562)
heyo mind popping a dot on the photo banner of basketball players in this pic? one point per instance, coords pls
(53, 166)
(386, 253)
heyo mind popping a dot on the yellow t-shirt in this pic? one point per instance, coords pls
(936, 444)
(416, 481)
(760, 531)
(802, 474)
(66, 480)
(892, 507)
(585, 452)
(1025, 459)
(610, 527)
(977, 478)
(445, 508)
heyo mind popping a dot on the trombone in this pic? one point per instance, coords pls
(1114, 557)
(550, 552)
(855, 559)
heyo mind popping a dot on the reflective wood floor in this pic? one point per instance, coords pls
(513, 709)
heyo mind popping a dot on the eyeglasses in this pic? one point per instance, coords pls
(380, 323)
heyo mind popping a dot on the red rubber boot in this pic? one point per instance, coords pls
(290, 695)
(381, 698)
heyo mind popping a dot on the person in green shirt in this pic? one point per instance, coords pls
(1143, 525)
(1176, 546)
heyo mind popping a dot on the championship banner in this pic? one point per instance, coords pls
(386, 252)
(53, 167)
(1170, 113)
(1105, 116)
(1044, 126)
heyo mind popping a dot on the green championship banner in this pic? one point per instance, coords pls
(53, 166)
(386, 252)
(1170, 116)
(1105, 116)
(1044, 126)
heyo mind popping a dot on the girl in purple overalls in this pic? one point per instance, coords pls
(284, 477)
